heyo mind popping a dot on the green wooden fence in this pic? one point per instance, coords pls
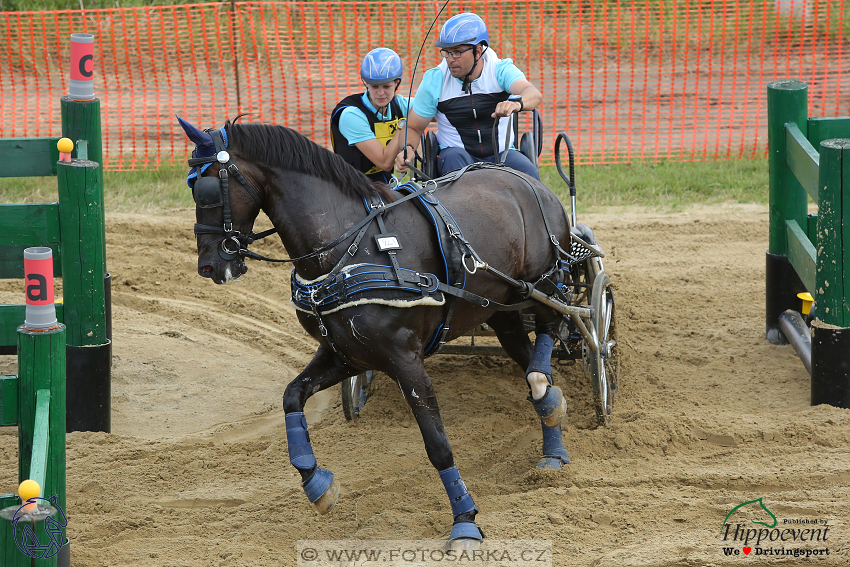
(74, 228)
(809, 158)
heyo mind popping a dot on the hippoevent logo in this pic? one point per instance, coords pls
(788, 537)
(25, 537)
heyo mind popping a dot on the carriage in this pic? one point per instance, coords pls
(590, 287)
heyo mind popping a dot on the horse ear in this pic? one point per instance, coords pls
(195, 134)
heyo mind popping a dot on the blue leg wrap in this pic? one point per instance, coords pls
(459, 496)
(554, 452)
(552, 407)
(466, 530)
(318, 484)
(541, 360)
(298, 442)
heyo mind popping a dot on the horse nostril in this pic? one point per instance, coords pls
(206, 270)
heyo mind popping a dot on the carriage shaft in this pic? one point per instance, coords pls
(577, 314)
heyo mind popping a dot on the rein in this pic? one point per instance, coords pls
(363, 224)
(242, 241)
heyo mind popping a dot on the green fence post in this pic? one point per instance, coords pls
(831, 330)
(41, 366)
(830, 295)
(81, 121)
(82, 228)
(786, 102)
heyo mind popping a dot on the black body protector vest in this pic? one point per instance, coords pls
(470, 115)
(384, 132)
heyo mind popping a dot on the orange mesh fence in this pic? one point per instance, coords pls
(626, 79)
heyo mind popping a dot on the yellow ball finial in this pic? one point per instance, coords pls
(26, 490)
(29, 489)
(65, 145)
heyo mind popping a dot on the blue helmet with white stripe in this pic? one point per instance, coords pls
(381, 65)
(464, 29)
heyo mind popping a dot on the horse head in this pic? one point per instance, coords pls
(225, 208)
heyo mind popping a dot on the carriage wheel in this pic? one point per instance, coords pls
(603, 366)
(354, 394)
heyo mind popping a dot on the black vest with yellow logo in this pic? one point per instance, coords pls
(384, 132)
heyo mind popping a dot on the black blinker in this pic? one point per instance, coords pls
(207, 193)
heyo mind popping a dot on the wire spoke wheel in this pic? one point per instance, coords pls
(603, 365)
(354, 394)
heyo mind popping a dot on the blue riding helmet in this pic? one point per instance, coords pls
(381, 65)
(463, 29)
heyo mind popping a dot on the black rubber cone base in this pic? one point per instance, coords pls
(782, 286)
(89, 388)
(830, 365)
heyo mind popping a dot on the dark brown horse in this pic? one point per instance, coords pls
(312, 197)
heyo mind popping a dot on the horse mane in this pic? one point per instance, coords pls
(291, 150)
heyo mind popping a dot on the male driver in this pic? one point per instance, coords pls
(365, 127)
(467, 92)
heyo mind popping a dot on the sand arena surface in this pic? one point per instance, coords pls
(709, 415)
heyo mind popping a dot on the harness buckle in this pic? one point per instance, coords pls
(352, 250)
(453, 231)
(323, 330)
(554, 240)
(442, 340)
(228, 227)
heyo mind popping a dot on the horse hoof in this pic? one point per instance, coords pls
(327, 501)
(322, 490)
(465, 536)
(547, 462)
(462, 544)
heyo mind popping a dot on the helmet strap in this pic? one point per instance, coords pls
(467, 84)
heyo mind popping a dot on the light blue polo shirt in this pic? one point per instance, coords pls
(354, 125)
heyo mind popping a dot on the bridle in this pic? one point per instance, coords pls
(210, 192)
